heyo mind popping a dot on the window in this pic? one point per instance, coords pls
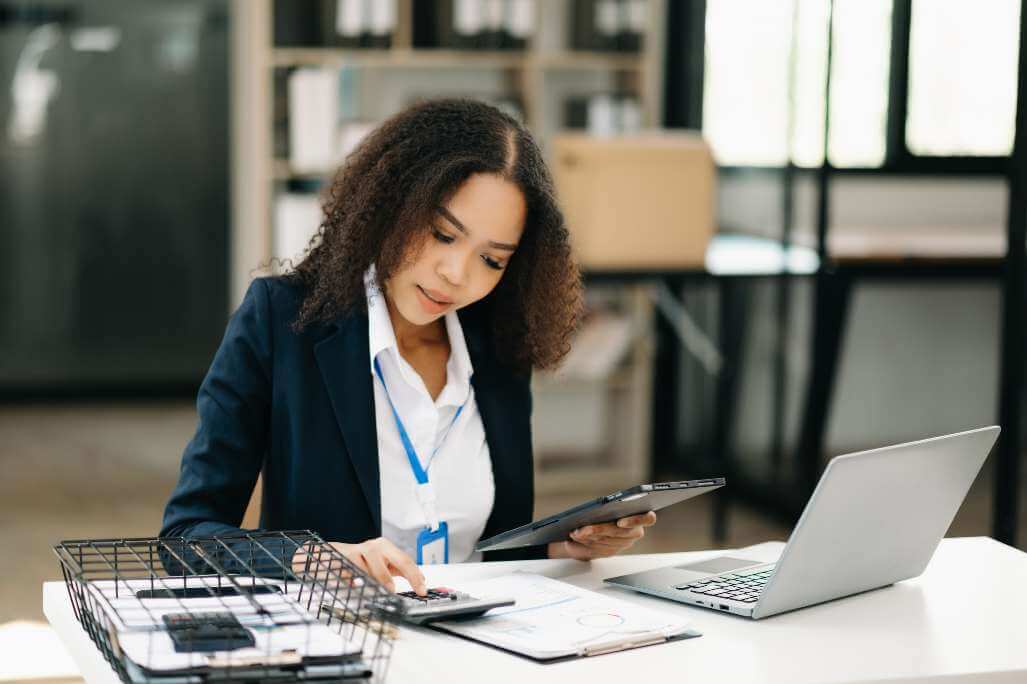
(748, 59)
(765, 74)
(745, 103)
(859, 82)
(962, 77)
(860, 62)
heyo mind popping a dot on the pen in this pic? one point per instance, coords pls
(612, 645)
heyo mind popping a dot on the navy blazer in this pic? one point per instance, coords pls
(299, 407)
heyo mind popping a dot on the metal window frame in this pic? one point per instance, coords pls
(683, 107)
(686, 53)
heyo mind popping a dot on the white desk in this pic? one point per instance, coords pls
(964, 619)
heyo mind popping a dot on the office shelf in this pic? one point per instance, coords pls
(593, 435)
(438, 58)
(573, 59)
(537, 77)
(405, 58)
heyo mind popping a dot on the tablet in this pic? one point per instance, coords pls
(622, 504)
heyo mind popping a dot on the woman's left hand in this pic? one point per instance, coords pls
(602, 540)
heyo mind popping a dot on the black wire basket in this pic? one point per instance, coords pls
(282, 606)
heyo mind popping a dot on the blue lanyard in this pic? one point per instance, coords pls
(415, 464)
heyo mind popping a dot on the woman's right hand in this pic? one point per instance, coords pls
(382, 560)
(378, 558)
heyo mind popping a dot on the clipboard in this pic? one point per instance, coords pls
(622, 504)
(553, 621)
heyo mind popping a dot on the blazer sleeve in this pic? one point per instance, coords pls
(222, 461)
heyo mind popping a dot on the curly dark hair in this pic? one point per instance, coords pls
(381, 202)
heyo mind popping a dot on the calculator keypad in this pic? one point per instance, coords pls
(434, 597)
(442, 602)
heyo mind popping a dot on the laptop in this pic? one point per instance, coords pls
(875, 518)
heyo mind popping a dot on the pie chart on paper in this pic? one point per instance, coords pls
(601, 620)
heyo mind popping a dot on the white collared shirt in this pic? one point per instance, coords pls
(461, 469)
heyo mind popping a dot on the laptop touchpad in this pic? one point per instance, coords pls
(719, 564)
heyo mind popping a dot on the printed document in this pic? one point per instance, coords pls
(553, 619)
(282, 628)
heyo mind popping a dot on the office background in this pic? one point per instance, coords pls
(155, 155)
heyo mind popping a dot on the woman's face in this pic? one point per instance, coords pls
(470, 242)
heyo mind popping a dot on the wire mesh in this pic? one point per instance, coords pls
(282, 606)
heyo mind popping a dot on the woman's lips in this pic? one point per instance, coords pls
(436, 296)
(431, 301)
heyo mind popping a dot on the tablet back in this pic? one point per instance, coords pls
(622, 504)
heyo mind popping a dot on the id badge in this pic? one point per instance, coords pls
(433, 547)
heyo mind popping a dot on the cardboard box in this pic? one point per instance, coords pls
(636, 201)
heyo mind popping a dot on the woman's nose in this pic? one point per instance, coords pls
(453, 269)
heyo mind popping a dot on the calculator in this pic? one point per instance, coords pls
(443, 603)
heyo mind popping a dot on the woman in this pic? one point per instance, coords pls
(382, 418)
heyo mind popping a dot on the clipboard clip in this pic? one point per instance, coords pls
(646, 639)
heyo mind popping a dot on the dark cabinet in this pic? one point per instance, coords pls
(114, 192)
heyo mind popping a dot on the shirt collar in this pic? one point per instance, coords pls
(382, 338)
(380, 333)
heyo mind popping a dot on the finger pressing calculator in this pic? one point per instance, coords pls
(443, 603)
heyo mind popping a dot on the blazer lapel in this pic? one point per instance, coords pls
(343, 359)
(495, 405)
(504, 466)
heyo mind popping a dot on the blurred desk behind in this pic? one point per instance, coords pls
(879, 255)
(729, 261)
(727, 255)
(882, 256)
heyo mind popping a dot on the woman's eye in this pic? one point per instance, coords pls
(441, 237)
(492, 263)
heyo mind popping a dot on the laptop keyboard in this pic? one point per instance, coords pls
(742, 586)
